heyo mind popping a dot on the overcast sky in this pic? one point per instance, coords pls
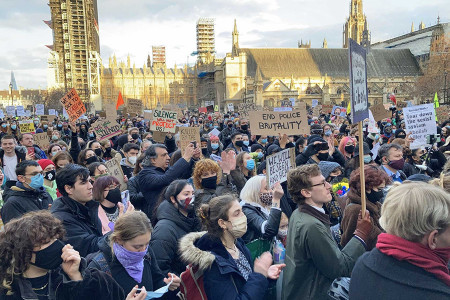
(133, 26)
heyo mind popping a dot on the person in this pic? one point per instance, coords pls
(61, 159)
(420, 161)
(11, 155)
(244, 170)
(225, 134)
(410, 259)
(157, 174)
(48, 167)
(228, 269)
(97, 170)
(33, 151)
(392, 161)
(107, 151)
(332, 172)
(136, 197)
(313, 259)
(129, 258)
(375, 181)
(353, 163)
(175, 217)
(261, 206)
(86, 157)
(35, 263)
(214, 146)
(52, 150)
(320, 150)
(128, 163)
(347, 147)
(95, 145)
(237, 143)
(145, 144)
(28, 193)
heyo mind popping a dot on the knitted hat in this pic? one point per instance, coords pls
(315, 138)
(39, 130)
(273, 149)
(366, 149)
(399, 132)
(419, 177)
(214, 138)
(44, 163)
(256, 147)
(326, 167)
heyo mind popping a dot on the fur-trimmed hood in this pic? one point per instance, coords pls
(190, 254)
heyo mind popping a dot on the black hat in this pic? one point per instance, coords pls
(366, 149)
(315, 138)
(399, 131)
(256, 147)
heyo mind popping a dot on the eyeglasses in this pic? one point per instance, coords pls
(324, 182)
(34, 174)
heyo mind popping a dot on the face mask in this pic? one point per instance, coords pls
(322, 156)
(91, 160)
(328, 132)
(230, 125)
(114, 195)
(13, 127)
(55, 137)
(108, 150)
(349, 149)
(246, 143)
(266, 198)
(59, 125)
(264, 141)
(209, 182)
(50, 175)
(187, 204)
(401, 136)
(54, 153)
(239, 143)
(260, 155)
(45, 126)
(282, 232)
(4, 125)
(135, 136)
(215, 126)
(215, 146)
(244, 127)
(50, 257)
(250, 164)
(239, 227)
(91, 135)
(397, 164)
(375, 197)
(367, 159)
(37, 181)
(133, 262)
(132, 160)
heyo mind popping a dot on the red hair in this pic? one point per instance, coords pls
(344, 142)
(373, 175)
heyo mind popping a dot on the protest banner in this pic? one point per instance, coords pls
(147, 115)
(2, 114)
(278, 166)
(106, 128)
(230, 107)
(48, 118)
(163, 121)
(39, 110)
(283, 108)
(110, 110)
(442, 113)
(379, 112)
(327, 108)
(26, 126)
(246, 108)
(420, 122)
(188, 135)
(114, 169)
(159, 136)
(20, 111)
(134, 106)
(27, 113)
(11, 111)
(358, 82)
(42, 140)
(202, 110)
(52, 112)
(272, 123)
(72, 103)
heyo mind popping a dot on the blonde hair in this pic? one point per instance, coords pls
(413, 209)
(129, 226)
(251, 190)
(443, 181)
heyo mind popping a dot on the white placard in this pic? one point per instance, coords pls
(372, 124)
(314, 102)
(20, 111)
(2, 114)
(278, 165)
(39, 108)
(420, 121)
(11, 111)
(214, 132)
(282, 109)
(28, 113)
(230, 107)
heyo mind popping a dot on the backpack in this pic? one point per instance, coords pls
(99, 262)
(192, 287)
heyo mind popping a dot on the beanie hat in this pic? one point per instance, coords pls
(326, 167)
(256, 147)
(315, 138)
(398, 132)
(419, 177)
(273, 149)
(214, 138)
(366, 149)
(44, 163)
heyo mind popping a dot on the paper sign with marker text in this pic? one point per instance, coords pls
(164, 121)
(278, 165)
(74, 106)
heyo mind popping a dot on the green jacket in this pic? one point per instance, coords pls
(313, 259)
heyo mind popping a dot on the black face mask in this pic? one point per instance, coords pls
(375, 197)
(239, 143)
(114, 196)
(135, 136)
(350, 149)
(209, 182)
(91, 160)
(50, 175)
(230, 125)
(204, 151)
(98, 151)
(322, 156)
(244, 127)
(401, 136)
(50, 257)
(108, 150)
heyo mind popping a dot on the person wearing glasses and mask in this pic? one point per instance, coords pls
(28, 193)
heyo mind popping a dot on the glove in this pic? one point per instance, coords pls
(363, 226)
(310, 151)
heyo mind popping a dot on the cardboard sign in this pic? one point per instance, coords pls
(327, 108)
(246, 108)
(47, 118)
(272, 123)
(314, 102)
(114, 169)
(202, 110)
(401, 105)
(214, 132)
(26, 126)
(134, 106)
(210, 108)
(20, 111)
(187, 135)
(11, 111)
(163, 121)
(39, 109)
(278, 165)
(358, 82)
(317, 110)
(106, 129)
(379, 112)
(420, 121)
(74, 106)
(110, 111)
(343, 111)
(442, 113)
(230, 107)
(42, 140)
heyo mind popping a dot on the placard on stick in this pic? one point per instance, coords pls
(39, 109)
(272, 123)
(134, 106)
(114, 169)
(246, 108)
(327, 108)
(187, 135)
(42, 140)
(379, 112)
(106, 129)
(164, 121)
(278, 166)
(358, 82)
(26, 126)
(74, 106)
(47, 118)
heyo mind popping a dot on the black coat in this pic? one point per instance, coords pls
(136, 197)
(171, 227)
(21, 153)
(379, 276)
(19, 200)
(305, 157)
(255, 220)
(83, 227)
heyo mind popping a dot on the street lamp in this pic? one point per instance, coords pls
(10, 93)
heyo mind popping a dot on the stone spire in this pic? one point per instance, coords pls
(325, 43)
(412, 27)
(421, 26)
(354, 26)
(128, 61)
(365, 42)
(258, 75)
(235, 38)
(149, 61)
(291, 86)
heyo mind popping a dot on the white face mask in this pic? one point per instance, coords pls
(282, 232)
(132, 159)
(239, 227)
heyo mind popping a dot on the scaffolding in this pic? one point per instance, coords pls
(205, 40)
(159, 56)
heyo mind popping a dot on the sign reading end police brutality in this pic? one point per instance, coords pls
(278, 166)
(272, 123)
(420, 121)
(358, 82)
(164, 121)
(73, 105)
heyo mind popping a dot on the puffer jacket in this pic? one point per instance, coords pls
(259, 224)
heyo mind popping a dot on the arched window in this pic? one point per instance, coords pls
(395, 91)
(339, 91)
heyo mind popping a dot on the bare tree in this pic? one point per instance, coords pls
(52, 100)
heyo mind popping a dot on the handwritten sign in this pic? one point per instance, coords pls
(20, 111)
(401, 105)
(379, 112)
(47, 118)
(42, 140)
(110, 110)
(338, 111)
(134, 106)
(2, 114)
(11, 111)
(106, 129)
(187, 135)
(39, 109)
(314, 102)
(442, 113)
(372, 128)
(358, 82)
(283, 108)
(317, 110)
(230, 107)
(26, 126)
(278, 166)
(27, 113)
(272, 123)
(73, 105)
(420, 121)
(327, 108)
(246, 108)
(114, 169)
(164, 121)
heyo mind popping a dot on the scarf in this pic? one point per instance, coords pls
(133, 262)
(432, 261)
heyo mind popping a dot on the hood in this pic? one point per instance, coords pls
(190, 254)
(167, 211)
(123, 162)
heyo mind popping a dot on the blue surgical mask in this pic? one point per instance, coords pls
(328, 132)
(4, 125)
(13, 127)
(264, 141)
(260, 155)
(367, 159)
(216, 126)
(250, 164)
(215, 146)
(246, 143)
(45, 126)
(37, 181)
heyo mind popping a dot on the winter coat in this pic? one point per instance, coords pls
(21, 153)
(379, 276)
(136, 197)
(75, 148)
(238, 179)
(259, 225)
(153, 180)
(350, 218)
(83, 227)
(95, 285)
(243, 148)
(127, 170)
(203, 196)
(170, 144)
(305, 157)
(221, 277)
(225, 135)
(19, 200)
(171, 226)
(313, 259)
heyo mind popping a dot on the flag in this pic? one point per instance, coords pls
(436, 100)
(393, 99)
(349, 107)
(119, 101)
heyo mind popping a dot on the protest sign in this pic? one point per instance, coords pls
(214, 132)
(2, 114)
(73, 105)
(272, 123)
(210, 108)
(278, 166)
(230, 107)
(358, 82)
(39, 109)
(134, 106)
(420, 122)
(65, 115)
(379, 112)
(42, 140)
(442, 113)
(114, 169)
(163, 121)
(147, 115)
(327, 108)
(283, 108)
(246, 108)
(26, 126)
(314, 102)
(401, 105)
(52, 112)
(47, 118)
(106, 129)
(372, 124)
(338, 111)
(216, 108)
(20, 111)
(11, 111)
(292, 100)
(187, 135)
(27, 113)
(317, 110)
(110, 110)
(202, 110)
(159, 136)
(286, 103)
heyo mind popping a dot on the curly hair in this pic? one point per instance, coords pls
(202, 166)
(20, 237)
(299, 179)
(373, 175)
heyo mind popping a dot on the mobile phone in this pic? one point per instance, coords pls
(125, 198)
(30, 151)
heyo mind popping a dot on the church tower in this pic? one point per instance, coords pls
(235, 38)
(354, 26)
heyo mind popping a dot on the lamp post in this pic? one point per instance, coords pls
(445, 88)
(10, 93)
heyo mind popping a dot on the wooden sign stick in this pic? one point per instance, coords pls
(361, 169)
